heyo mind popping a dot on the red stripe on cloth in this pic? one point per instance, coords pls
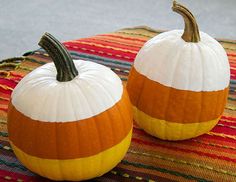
(205, 137)
(101, 52)
(207, 146)
(232, 65)
(232, 61)
(204, 154)
(3, 101)
(224, 130)
(8, 82)
(4, 91)
(96, 49)
(231, 54)
(5, 96)
(119, 41)
(13, 79)
(218, 139)
(3, 109)
(232, 71)
(107, 43)
(13, 176)
(16, 75)
(227, 123)
(228, 118)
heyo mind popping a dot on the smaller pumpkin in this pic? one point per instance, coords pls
(179, 82)
(71, 120)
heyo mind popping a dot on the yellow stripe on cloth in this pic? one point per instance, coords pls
(76, 169)
(170, 130)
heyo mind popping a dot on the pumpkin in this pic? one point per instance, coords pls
(179, 81)
(69, 120)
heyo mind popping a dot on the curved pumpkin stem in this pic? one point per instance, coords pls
(65, 66)
(191, 32)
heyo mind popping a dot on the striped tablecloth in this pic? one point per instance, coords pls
(210, 157)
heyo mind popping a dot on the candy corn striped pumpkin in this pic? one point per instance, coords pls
(179, 82)
(71, 120)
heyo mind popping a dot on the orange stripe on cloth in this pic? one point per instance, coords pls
(109, 43)
(124, 37)
(116, 43)
(120, 40)
(97, 45)
(69, 140)
(172, 104)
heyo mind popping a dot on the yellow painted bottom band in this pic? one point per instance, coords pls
(170, 130)
(76, 169)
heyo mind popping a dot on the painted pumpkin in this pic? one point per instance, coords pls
(71, 120)
(179, 82)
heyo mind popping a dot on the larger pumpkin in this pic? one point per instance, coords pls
(179, 82)
(71, 120)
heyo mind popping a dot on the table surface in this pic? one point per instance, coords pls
(210, 157)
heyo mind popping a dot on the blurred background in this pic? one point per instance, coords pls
(23, 22)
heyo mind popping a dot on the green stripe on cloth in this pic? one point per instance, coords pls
(140, 165)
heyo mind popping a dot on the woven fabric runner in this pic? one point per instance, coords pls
(210, 157)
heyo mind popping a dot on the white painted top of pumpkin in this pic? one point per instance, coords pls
(40, 96)
(197, 66)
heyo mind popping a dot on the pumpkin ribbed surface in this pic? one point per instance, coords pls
(68, 140)
(172, 62)
(179, 89)
(93, 91)
(78, 168)
(70, 130)
(174, 105)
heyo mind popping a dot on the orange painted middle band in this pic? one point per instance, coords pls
(69, 140)
(174, 105)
